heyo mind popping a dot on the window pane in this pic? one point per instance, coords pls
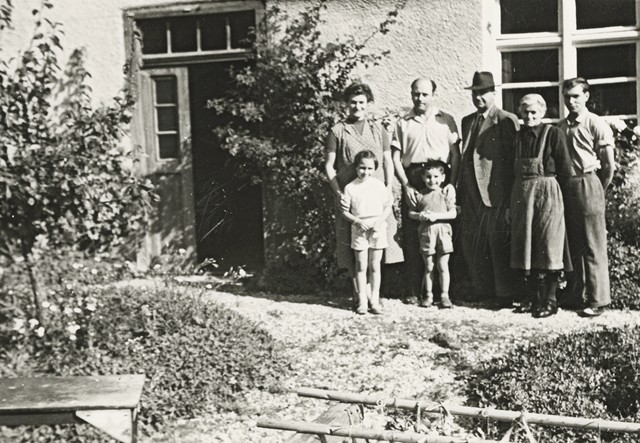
(165, 90)
(511, 99)
(240, 23)
(167, 119)
(613, 99)
(600, 13)
(530, 66)
(213, 34)
(183, 34)
(154, 36)
(519, 16)
(607, 61)
(168, 145)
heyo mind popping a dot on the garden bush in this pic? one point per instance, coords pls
(623, 219)
(195, 354)
(624, 273)
(66, 181)
(279, 112)
(592, 375)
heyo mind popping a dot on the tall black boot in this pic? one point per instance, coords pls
(538, 293)
(550, 304)
(523, 299)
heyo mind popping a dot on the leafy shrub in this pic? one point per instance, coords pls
(6, 9)
(591, 375)
(279, 113)
(623, 212)
(194, 354)
(65, 180)
(624, 272)
(623, 199)
(623, 219)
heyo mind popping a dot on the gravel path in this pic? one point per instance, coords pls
(394, 355)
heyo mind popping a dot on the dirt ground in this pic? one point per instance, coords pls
(393, 355)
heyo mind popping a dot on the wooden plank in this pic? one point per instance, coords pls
(592, 424)
(372, 434)
(60, 394)
(34, 418)
(339, 414)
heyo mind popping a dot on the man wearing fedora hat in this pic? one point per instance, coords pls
(484, 186)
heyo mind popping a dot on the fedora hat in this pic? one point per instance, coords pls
(482, 80)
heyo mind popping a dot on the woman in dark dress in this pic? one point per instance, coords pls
(539, 246)
(352, 135)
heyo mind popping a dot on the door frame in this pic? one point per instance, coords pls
(181, 166)
(139, 66)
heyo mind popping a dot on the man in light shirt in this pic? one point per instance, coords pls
(591, 144)
(425, 133)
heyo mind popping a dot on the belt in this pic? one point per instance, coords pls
(539, 176)
(584, 174)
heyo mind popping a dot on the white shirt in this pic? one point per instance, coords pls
(366, 198)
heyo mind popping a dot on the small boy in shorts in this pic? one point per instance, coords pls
(366, 204)
(434, 209)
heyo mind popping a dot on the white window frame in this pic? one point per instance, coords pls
(567, 40)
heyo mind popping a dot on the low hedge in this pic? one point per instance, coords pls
(592, 374)
(194, 354)
(624, 272)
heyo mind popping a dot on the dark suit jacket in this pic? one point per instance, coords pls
(493, 155)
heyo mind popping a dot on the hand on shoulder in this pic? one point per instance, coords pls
(449, 190)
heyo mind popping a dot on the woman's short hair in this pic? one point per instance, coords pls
(358, 89)
(533, 99)
(366, 154)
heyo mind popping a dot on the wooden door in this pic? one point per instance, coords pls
(166, 134)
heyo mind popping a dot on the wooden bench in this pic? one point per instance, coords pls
(109, 402)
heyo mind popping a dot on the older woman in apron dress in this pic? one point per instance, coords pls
(539, 246)
(357, 133)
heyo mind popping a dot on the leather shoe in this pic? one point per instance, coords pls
(548, 309)
(445, 303)
(593, 312)
(413, 300)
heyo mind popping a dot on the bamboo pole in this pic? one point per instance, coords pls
(467, 411)
(359, 432)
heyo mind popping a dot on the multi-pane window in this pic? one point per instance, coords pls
(166, 116)
(196, 35)
(542, 42)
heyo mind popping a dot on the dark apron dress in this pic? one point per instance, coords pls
(538, 233)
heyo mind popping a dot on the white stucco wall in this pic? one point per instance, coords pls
(434, 38)
(439, 39)
(93, 24)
